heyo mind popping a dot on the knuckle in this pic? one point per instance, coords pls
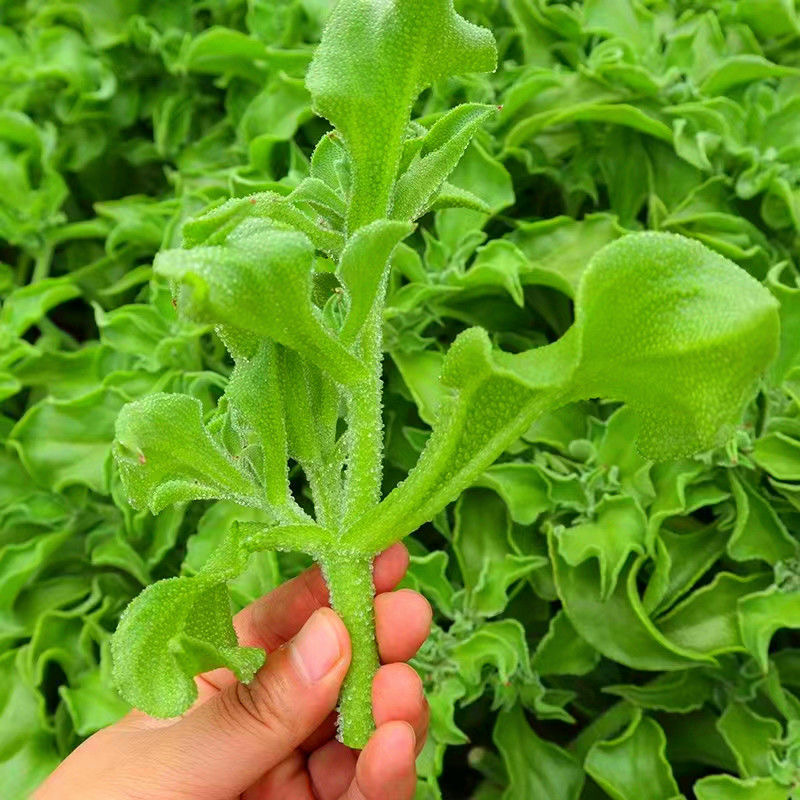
(261, 705)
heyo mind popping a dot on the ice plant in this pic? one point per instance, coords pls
(294, 285)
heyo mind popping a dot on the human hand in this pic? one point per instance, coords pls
(274, 738)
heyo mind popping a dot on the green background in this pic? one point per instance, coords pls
(605, 627)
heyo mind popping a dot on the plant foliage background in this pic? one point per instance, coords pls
(650, 655)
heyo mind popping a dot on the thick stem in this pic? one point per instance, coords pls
(349, 578)
(365, 426)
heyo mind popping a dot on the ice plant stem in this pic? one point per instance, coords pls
(365, 423)
(349, 579)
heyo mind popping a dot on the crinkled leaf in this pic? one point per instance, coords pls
(618, 627)
(779, 455)
(684, 320)
(256, 394)
(499, 264)
(562, 651)
(262, 284)
(535, 767)
(706, 622)
(726, 787)
(758, 532)
(673, 692)
(166, 455)
(750, 738)
(481, 542)
(27, 305)
(441, 149)
(175, 629)
(762, 614)
(663, 323)
(66, 442)
(559, 249)
(499, 645)
(372, 62)
(617, 530)
(680, 560)
(634, 766)
(522, 487)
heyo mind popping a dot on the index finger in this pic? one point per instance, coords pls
(276, 617)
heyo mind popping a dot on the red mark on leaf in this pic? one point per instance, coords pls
(499, 108)
(252, 201)
(142, 459)
(174, 303)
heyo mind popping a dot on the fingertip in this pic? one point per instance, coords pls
(403, 622)
(398, 694)
(386, 767)
(390, 567)
(331, 769)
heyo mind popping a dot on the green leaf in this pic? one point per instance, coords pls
(743, 68)
(789, 298)
(763, 613)
(27, 305)
(758, 531)
(256, 395)
(443, 698)
(684, 359)
(370, 65)
(750, 738)
(235, 220)
(634, 766)
(681, 559)
(614, 113)
(523, 488)
(618, 627)
(617, 530)
(500, 263)
(441, 149)
(499, 645)
(29, 752)
(726, 787)
(166, 455)
(562, 651)
(779, 455)
(174, 630)
(428, 575)
(673, 692)
(484, 176)
(480, 541)
(559, 249)
(535, 767)
(363, 268)
(92, 703)
(68, 442)
(214, 529)
(706, 622)
(260, 283)
(420, 370)
(711, 330)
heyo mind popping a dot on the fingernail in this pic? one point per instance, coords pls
(316, 649)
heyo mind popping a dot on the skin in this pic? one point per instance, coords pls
(275, 738)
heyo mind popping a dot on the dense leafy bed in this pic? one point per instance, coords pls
(646, 652)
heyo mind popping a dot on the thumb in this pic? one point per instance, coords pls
(235, 737)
